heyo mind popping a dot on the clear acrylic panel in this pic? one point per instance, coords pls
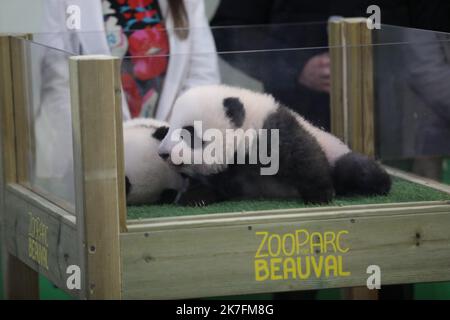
(228, 38)
(50, 157)
(412, 87)
(411, 78)
(410, 71)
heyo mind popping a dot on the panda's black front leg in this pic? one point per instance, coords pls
(311, 174)
(303, 164)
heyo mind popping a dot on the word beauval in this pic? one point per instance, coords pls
(300, 255)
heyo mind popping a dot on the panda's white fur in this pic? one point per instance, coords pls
(187, 109)
(331, 145)
(148, 175)
(201, 103)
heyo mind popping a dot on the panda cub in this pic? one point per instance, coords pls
(148, 178)
(313, 165)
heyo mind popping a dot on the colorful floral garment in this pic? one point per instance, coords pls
(136, 33)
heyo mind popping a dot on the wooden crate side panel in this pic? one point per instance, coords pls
(41, 235)
(20, 281)
(220, 260)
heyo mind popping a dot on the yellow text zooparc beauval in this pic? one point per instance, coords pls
(300, 255)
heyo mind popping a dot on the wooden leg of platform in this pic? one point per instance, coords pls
(21, 282)
(359, 293)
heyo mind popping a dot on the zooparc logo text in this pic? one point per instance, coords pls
(300, 255)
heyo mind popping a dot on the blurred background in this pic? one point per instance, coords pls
(30, 19)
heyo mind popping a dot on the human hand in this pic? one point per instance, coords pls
(316, 73)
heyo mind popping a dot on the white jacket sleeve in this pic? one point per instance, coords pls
(203, 62)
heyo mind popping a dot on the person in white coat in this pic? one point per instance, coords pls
(186, 40)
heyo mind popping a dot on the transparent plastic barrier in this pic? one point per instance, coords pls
(410, 119)
(50, 154)
(412, 86)
(227, 38)
(235, 38)
(274, 71)
(411, 82)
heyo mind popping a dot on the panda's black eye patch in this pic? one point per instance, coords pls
(160, 133)
(192, 137)
(190, 129)
(234, 109)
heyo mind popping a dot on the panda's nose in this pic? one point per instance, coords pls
(163, 155)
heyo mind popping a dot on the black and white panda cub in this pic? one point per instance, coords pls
(148, 179)
(313, 164)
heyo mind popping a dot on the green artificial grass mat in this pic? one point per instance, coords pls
(402, 191)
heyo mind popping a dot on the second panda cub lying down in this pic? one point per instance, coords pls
(313, 164)
(148, 179)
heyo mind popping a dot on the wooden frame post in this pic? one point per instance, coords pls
(338, 114)
(352, 97)
(21, 106)
(99, 171)
(21, 282)
(368, 93)
(353, 65)
(352, 88)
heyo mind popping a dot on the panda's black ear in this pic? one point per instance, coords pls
(160, 133)
(234, 109)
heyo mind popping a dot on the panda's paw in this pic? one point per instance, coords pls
(189, 199)
(193, 203)
(357, 174)
(197, 195)
(201, 203)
